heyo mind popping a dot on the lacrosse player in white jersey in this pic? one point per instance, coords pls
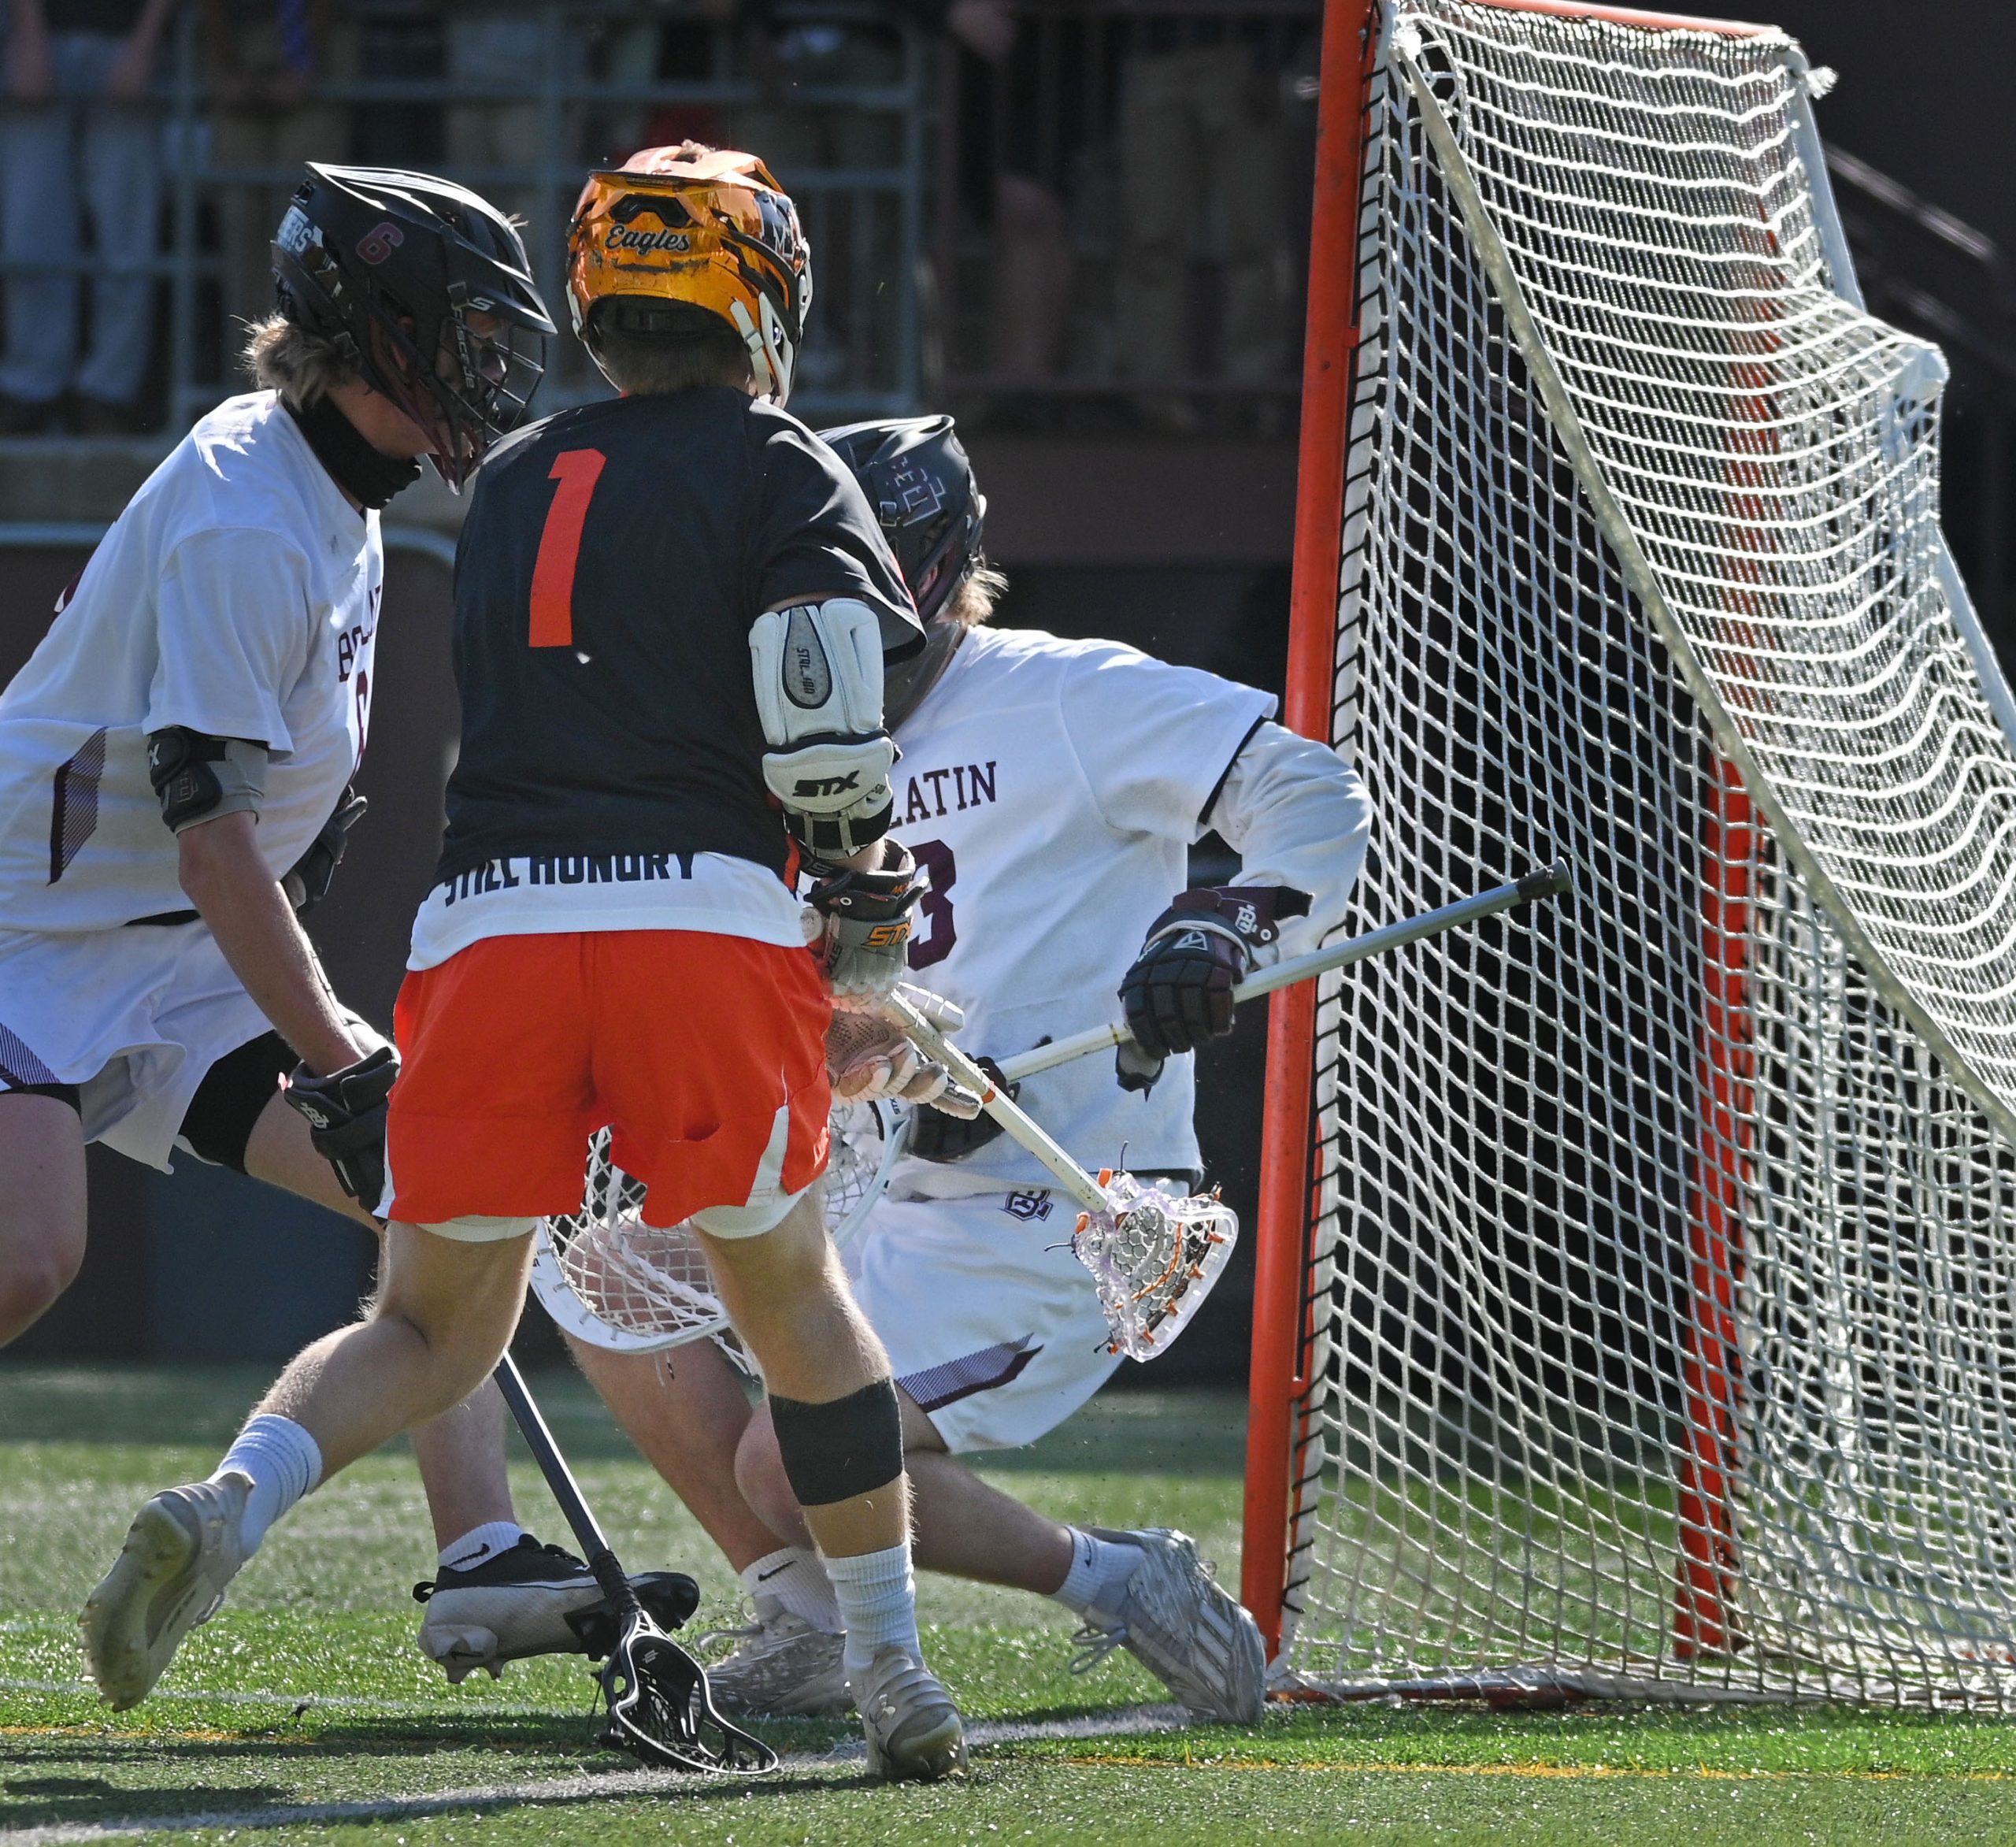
(175, 761)
(1053, 789)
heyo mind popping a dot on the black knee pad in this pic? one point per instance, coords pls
(845, 1447)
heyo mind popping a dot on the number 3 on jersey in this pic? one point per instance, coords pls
(936, 942)
(577, 470)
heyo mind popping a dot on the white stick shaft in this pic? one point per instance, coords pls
(1319, 961)
(1016, 1123)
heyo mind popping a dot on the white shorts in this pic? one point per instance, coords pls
(994, 1327)
(134, 1017)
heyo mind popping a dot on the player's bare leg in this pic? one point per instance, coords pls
(462, 1452)
(1143, 1589)
(444, 1315)
(825, 1369)
(962, 1526)
(686, 1410)
(42, 1206)
(444, 1312)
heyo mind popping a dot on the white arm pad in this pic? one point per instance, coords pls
(1297, 814)
(818, 678)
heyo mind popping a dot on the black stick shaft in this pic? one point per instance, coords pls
(560, 1479)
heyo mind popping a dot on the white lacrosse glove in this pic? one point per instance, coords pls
(868, 1059)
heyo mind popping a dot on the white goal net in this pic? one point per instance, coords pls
(1660, 1306)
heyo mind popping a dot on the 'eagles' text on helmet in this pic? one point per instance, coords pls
(707, 228)
(915, 473)
(426, 289)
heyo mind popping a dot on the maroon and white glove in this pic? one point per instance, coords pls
(1178, 994)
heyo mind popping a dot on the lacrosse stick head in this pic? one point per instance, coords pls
(608, 1278)
(660, 1710)
(1154, 1256)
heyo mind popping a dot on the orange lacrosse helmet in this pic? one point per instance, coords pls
(704, 229)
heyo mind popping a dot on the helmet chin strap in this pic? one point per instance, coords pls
(772, 380)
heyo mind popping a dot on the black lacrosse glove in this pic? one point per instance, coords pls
(308, 883)
(346, 1112)
(866, 946)
(1178, 994)
(936, 1137)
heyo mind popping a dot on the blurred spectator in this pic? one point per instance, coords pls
(262, 62)
(1201, 145)
(502, 46)
(79, 140)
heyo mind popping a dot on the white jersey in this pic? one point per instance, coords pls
(237, 595)
(1052, 789)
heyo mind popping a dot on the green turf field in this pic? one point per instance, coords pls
(304, 1713)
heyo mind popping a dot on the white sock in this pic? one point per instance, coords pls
(792, 1579)
(877, 1596)
(1098, 1574)
(284, 1462)
(479, 1543)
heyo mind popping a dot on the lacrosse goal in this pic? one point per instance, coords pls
(1637, 1275)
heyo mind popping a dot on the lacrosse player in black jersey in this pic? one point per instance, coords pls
(672, 614)
(1054, 788)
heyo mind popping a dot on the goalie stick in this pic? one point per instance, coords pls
(659, 1708)
(1153, 1255)
(1546, 881)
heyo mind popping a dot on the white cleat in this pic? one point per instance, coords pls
(913, 1730)
(181, 1551)
(1188, 1632)
(782, 1668)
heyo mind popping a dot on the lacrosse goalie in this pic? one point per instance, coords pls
(176, 755)
(1051, 789)
(672, 614)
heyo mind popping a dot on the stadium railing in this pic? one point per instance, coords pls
(866, 223)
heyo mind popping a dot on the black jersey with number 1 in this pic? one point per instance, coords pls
(613, 561)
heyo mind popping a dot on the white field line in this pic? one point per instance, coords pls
(1130, 1721)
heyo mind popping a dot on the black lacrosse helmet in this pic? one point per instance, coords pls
(389, 267)
(915, 473)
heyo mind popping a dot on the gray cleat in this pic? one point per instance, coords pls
(1188, 1632)
(914, 1730)
(782, 1667)
(181, 1551)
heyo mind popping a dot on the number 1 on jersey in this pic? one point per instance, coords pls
(577, 470)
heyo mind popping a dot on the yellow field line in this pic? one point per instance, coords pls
(1570, 1772)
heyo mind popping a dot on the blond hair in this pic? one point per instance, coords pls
(972, 602)
(300, 365)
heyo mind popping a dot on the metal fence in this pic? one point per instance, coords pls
(855, 110)
(1122, 210)
(1112, 211)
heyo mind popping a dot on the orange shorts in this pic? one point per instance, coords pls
(705, 1056)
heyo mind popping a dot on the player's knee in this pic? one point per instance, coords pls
(38, 1262)
(841, 1448)
(759, 1473)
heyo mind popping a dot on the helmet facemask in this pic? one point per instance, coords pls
(477, 389)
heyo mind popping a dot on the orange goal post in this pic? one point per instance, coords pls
(1635, 1304)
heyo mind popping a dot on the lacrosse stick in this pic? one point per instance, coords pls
(1548, 881)
(608, 1278)
(660, 1710)
(1153, 1255)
